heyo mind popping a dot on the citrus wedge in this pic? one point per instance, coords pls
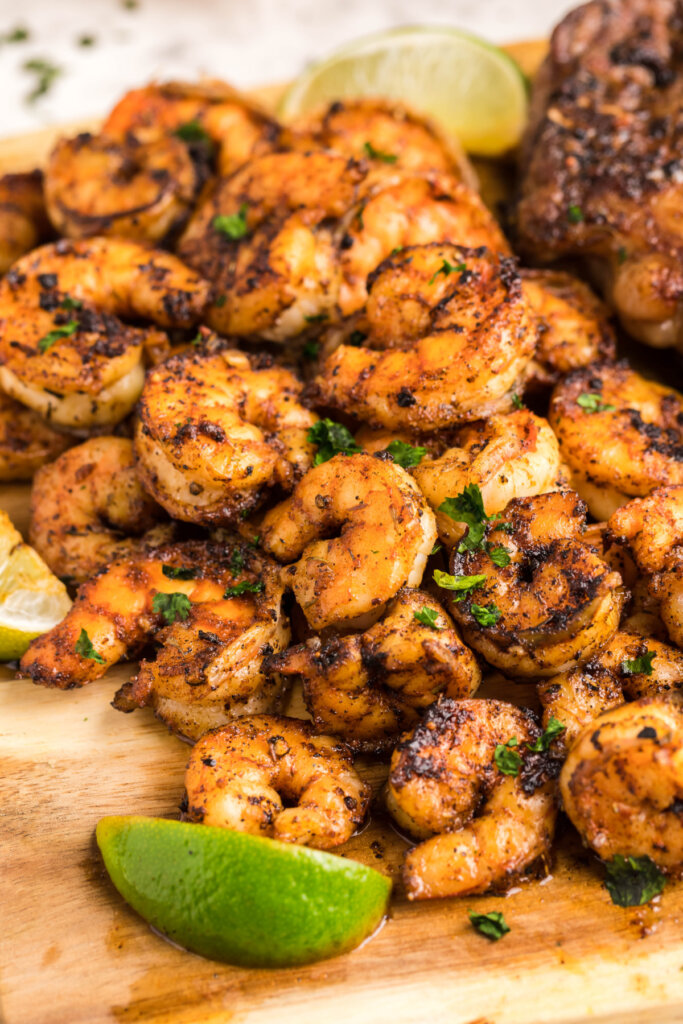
(240, 898)
(470, 88)
(32, 599)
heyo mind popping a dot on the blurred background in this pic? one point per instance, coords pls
(61, 60)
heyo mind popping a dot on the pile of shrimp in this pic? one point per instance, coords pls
(310, 445)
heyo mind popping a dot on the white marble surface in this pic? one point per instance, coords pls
(245, 41)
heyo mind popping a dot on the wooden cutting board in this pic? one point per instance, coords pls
(72, 952)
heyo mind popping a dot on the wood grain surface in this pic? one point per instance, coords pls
(72, 952)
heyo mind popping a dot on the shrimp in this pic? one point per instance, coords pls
(87, 504)
(574, 325)
(399, 210)
(27, 442)
(508, 456)
(266, 238)
(651, 529)
(455, 336)
(619, 433)
(209, 668)
(383, 132)
(535, 598)
(210, 113)
(482, 829)
(98, 185)
(206, 597)
(239, 775)
(218, 432)
(357, 529)
(622, 782)
(23, 219)
(368, 687)
(629, 667)
(63, 350)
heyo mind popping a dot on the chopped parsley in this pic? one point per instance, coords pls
(462, 584)
(486, 615)
(332, 439)
(428, 617)
(377, 154)
(636, 666)
(405, 455)
(591, 402)
(172, 606)
(491, 925)
(245, 587)
(575, 215)
(85, 648)
(16, 35)
(178, 572)
(435, 550)
(553, 729)
(311, 350)
(86, 40)
(197, 340)
(622, 254)
(193, 132)
(468, 507)
(236, 561)
(53, 337)
(316, 318)
(45, 73)
(220, 301)
(232, 225)
(508, 761)
(517, 402)
(499, 556)
(69, 303)
(447, 268)
(632, 881)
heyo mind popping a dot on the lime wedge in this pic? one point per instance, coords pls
(32, 599)
(470, 88)
(241, 898)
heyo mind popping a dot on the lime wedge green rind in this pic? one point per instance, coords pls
(470, 87)
(239, 898)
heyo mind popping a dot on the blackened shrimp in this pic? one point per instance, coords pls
(482, 829)
(367, 688)
(357, 529)
(27, 441)
(239, 776)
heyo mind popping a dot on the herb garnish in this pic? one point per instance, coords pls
(508, 760)
(172, 606)
(232, 225)
(593, 403)
(316, 318)
(236, 561)
(244, 588)
(377, 154)
(178, 572)
(632, 881)
(462, 584)
(192, 131)
(16, 35)
(428, 617)
(553, 729)
(52, 337)
(332, 439)
(575, 214)
(405, 455)
(311, 349)
(499, 556)
(468, 507)
(447, 268)
(491, 925)
(517, 402)
(45, 73)
(486, 615)
(85, 648)
(642, 664)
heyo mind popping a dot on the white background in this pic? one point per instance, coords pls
(247, 42)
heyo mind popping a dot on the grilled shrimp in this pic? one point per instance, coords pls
(398, 210)
(266, 238)
(88, 508)
(23, 220)
(357, 529)
(619, 433)
(239, 775)
(652, 530)
(507, 456)
(368, 687)
(555, 603)
(187, 587)
(622, 782)
(629, 667)
(205, 115)
(63, 350)
(218, 432)
(454, 335)
(27, 442)
(208, 668)
(482, 829)
(381, 131)
(99, 185)
(574, 329)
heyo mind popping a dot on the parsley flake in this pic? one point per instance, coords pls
(16, 35)
(447, 268)
(193, 132)
(632, 881)
(575, 215)
(491, 925)
(172, 606)
(311, 350)
(69, 303)
(517, 402)
(232, 225)
(316, 318)
(45, 73)
(53, 337)
(468, 508)
(636, 666)
(85, 648)
(405, 455)
(591, 403)
(428, 617)
(245, 587)
(486, 615)
(377, 154)
(462, 584)
(236, 562)
(178, 572)
(332, 439)
(508, 761)
(499, 556)
(553, 729)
